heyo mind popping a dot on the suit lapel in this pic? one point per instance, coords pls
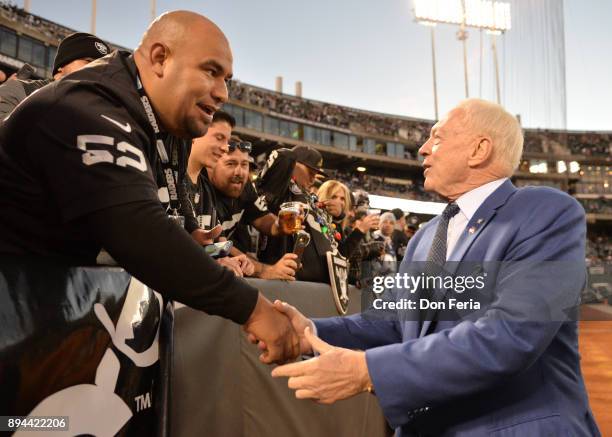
(477, 223)
(422, 249)
(483, 215)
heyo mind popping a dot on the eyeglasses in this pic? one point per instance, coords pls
(244, 146)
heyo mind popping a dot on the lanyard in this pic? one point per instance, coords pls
(202, 189)
(170, 165)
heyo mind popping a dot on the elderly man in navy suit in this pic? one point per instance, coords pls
(510, 369)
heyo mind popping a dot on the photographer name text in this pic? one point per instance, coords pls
(426, 304)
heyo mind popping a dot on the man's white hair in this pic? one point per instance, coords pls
(387, 216)
(491, 119)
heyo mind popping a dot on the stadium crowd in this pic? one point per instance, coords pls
(411, 130)
(569, 143)
(324, 217)
(339, 208)
(599, 249)
(333, 115)
(403, 188)
(597, 206)
(249, 217)
(248, 214)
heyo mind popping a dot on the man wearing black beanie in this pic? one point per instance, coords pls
(77, 50)
(73, 53)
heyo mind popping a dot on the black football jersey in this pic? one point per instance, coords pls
(245, 209)
(78, 145)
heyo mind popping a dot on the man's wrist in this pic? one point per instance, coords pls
(259, 267)
(363, 373)
(259, 308)
(266, 271)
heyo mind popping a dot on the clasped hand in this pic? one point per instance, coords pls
(273, 329)
(335, 374)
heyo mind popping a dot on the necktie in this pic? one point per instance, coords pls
(436, 258)
(437, 251)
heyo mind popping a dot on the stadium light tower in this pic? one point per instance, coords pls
(489, 15)
(433, 64)
(153, 10)
(93, 17)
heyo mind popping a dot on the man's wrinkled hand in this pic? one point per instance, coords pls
(272, 328)
(335, 374)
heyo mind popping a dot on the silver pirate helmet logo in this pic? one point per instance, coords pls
(101, 48)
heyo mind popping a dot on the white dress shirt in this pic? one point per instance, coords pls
(468, 204)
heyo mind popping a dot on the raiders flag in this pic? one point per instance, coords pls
(338, 277)
(83, 343)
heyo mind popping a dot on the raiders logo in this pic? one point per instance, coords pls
(338, 275)
(101, 48)
(295, 189)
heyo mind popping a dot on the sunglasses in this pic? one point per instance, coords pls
(244, 146)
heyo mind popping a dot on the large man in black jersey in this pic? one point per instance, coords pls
(76, 171)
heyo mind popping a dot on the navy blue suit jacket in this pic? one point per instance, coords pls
(503, 372)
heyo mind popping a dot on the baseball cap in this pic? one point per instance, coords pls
(310, 157)
(397, 213)
(79, 45)
(362, 199)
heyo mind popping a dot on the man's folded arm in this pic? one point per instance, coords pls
(153, 248)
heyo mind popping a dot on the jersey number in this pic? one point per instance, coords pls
(97, 156)
(261, 203)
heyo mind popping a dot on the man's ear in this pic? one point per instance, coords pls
(482, 151)
(158, 56)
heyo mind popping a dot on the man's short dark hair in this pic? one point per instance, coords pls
(222, 116)
(397, 213)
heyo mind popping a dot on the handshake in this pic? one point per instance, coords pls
(282, 334)
(278, 330)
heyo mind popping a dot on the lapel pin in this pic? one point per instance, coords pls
(479, 221)
(472, 229)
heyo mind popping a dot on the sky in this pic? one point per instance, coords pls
(363, 54)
